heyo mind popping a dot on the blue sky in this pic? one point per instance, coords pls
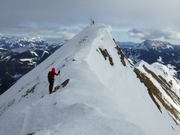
(131, 20)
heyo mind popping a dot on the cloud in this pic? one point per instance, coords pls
(137, 33)
(47, 31)
(128, 13)
(55, 18)
(67, 35)
(174, 35)
(154, 34)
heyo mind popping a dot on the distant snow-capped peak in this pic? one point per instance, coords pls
(155, 44)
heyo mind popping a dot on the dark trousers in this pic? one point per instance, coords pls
(51, 84)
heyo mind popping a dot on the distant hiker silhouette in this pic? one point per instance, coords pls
(92, 22)
(51, 75)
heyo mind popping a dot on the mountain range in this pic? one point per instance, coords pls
(153, 51)
(20, 55)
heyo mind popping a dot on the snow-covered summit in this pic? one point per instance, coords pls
(155, 44)
(103, 96)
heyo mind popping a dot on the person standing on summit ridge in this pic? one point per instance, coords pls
(51, 75)
(92, 22)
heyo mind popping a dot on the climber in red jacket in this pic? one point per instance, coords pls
(51, 76)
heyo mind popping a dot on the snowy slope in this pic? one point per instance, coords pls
(169, 74)
(103, 96)
(163, 86)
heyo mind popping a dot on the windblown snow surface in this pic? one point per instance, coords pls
(103, 97)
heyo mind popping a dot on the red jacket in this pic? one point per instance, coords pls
(52, 74)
